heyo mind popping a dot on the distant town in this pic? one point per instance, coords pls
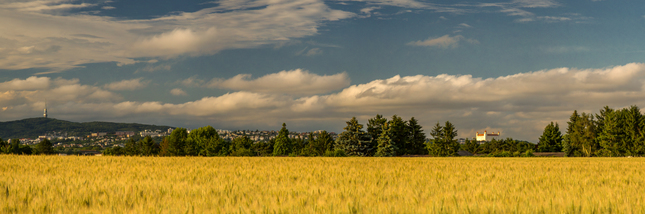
(112, 139)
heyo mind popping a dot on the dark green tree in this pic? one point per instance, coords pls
(568, 146)
(386, 147)
(471, 146)
(354, 141)
(45, 147)
(148, 147)
(443, 143)
(585, 133)
(633, 132)
(131, 148)
(207, 142)
(263, 148)
(399, 133)
(326, 142)
(177, 141)
(115, 151)
(311, 148)
(241, 146)
(282, 145)
(375, 127)
(15, 146)
(297, 146)
(416, 137)
(5, 148)
(551, 139)
(611, 133)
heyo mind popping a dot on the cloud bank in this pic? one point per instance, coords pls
(298, 82)
(518, 105)
(32, 36)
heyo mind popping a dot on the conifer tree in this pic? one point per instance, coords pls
(399, 133)
(282, 142)
(354, 141)
(386, 147)
(444, 143)
(551, 139)
(416, 137)
(375, 127)
(326, 142)
(148, 147)
(611, 134)
(471, 146)
(568, 145)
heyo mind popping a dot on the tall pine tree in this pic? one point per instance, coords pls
(354, 141)
(282, 142)
(386, 147)
(551, 139)
(416, 138)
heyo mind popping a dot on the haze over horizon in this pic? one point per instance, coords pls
(510, 65)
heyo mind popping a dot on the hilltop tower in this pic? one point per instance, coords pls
(45, 112)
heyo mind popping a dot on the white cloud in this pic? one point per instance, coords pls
(210, 30)
(127, 85)
(31, 93)
(445, 41)
(298, 81)
(464, 25)
(43, 5)
(178, 92)
(32, 37)
(31, 83)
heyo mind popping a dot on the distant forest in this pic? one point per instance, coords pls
(34, 127)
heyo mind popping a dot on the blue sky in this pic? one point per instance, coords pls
(509, 66)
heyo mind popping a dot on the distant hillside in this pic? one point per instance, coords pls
(33, 127)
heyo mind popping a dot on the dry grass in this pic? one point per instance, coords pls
(53, 184)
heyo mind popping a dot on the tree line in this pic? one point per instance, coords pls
(382, 138)
(45, 147)
(610, 133)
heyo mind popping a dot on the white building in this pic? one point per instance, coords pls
(487, 137)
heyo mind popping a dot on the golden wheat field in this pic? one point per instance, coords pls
(53, 184)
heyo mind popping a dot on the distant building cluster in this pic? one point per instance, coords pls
(258, 136)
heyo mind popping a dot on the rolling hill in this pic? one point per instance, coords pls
(33, 127)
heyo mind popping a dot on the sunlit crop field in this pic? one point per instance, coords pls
(53, 184)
